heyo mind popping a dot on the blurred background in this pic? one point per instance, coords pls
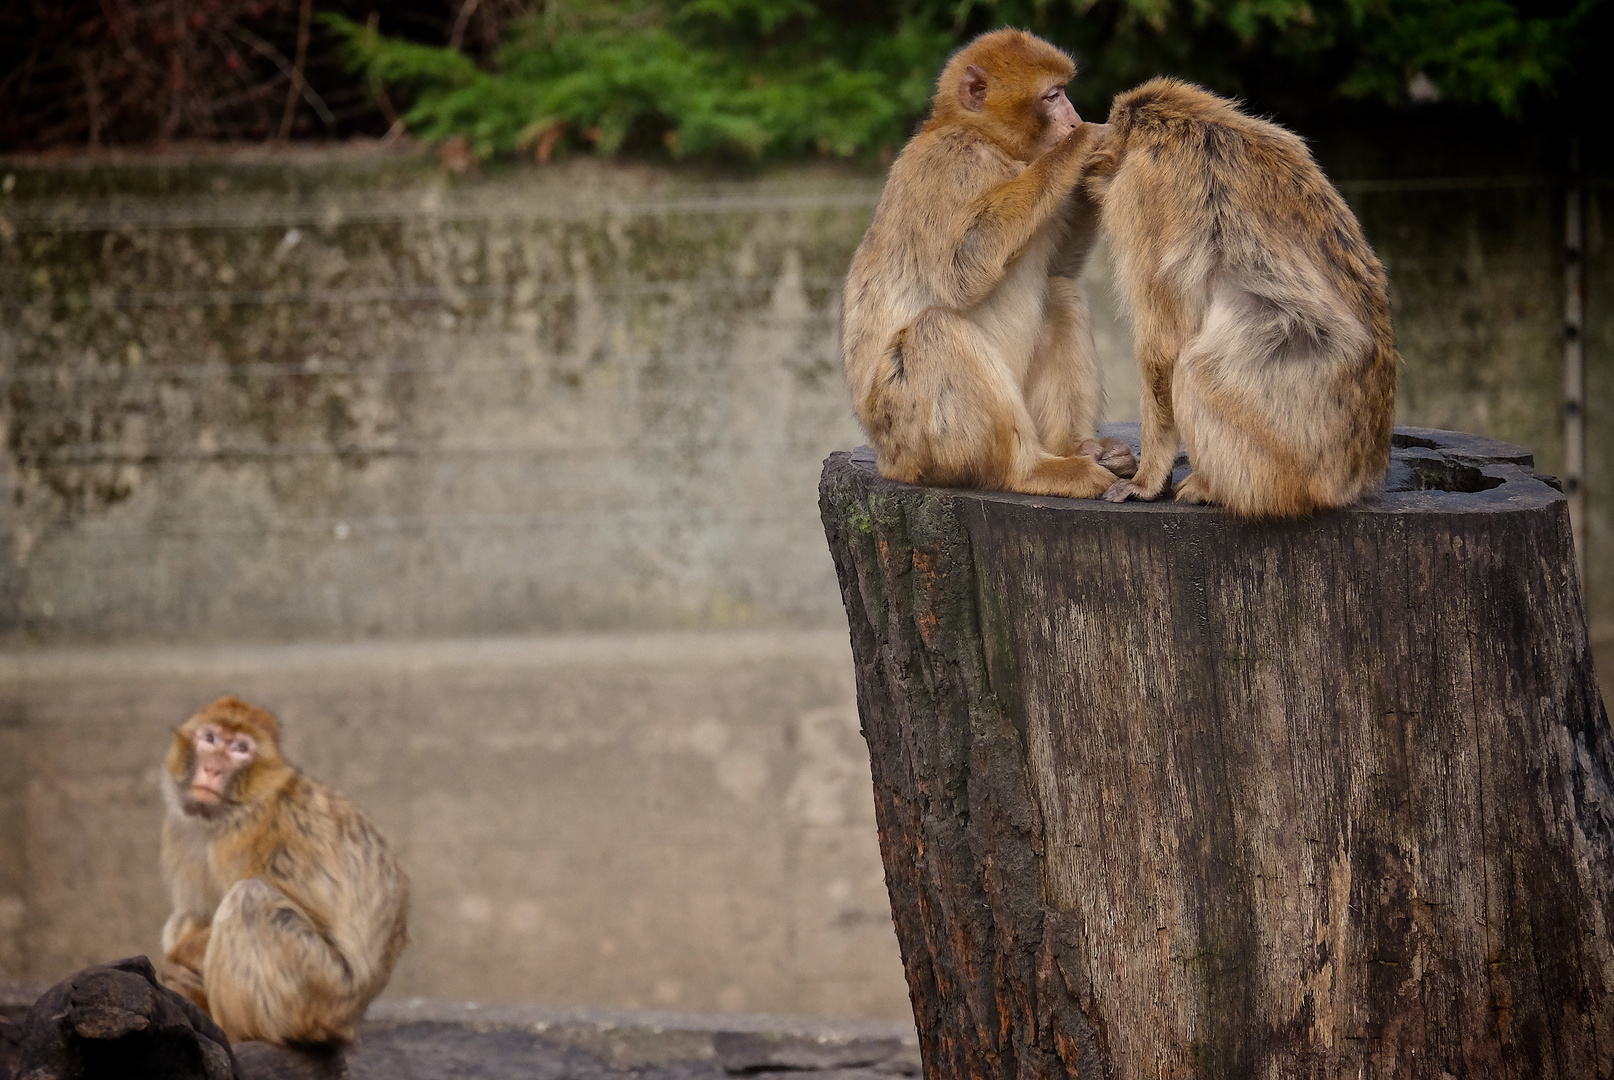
(451, 377)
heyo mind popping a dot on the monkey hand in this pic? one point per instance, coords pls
(1113, 454)
(1122, 490)
(1085, 135)
(1101, 156)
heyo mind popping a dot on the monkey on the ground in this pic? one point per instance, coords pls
(966, 338)
(288, 907)
(1261, 315)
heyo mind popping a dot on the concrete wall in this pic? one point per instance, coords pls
(647, 821)
(502, 493)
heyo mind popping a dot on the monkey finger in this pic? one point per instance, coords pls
(1122, 490)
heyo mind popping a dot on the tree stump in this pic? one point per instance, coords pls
(1162, 793)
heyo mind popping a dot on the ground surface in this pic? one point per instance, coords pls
(436, 1050)
(418, 1039)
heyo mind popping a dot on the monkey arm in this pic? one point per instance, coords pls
(1159, 343)
(1000, 222)
(185, 938)
(1081, 235)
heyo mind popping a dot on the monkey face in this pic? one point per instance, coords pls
(218, 755)
(1058, 118)
(1029, 119)
(1009, 86)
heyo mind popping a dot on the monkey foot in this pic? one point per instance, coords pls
(185, 982)
(1113, 454)
(1192, 490)
(1118, 457)
(1122, 490)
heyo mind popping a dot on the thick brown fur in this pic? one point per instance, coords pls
(1261, 315)
(966, 338)
(288, 908)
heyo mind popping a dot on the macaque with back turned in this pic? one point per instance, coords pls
(1262, 316)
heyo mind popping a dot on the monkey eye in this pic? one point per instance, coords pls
(241, 747)
(209, 736)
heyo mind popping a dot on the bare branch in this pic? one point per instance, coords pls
(461, 21)
(304, 17)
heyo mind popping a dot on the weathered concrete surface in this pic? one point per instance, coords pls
(345, 398)
(338, 395)
(332, 402)
(336, 399)
(676, 820)
(1477, 288)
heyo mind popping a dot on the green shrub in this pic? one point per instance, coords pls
(783, 78)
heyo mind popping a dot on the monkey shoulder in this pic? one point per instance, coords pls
(311, 826)
(930, 185)
(944, 168)
(348, 825)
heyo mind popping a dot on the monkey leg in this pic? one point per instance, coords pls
(1193, 489)
(1157, 354)
(1061, 385)
(945, 412)
(1254, 415)
(1076, 477)
(272, 975)
(1237, 463)
(181, 968)
(1063, 391)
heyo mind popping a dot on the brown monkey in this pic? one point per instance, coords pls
(1261, 314)
(288, 907)
(966, 338)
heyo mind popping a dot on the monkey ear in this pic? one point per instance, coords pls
(972, 89)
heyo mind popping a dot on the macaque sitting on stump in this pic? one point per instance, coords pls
(1261, 314)
(965, 335)
(289, 910)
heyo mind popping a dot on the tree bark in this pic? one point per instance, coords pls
(1162, 793)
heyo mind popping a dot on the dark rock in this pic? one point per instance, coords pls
(10, 1048)
(115, 1021)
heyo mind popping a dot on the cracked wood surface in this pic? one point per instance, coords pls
(1166, 794)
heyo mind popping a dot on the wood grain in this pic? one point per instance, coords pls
(1166, 794)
